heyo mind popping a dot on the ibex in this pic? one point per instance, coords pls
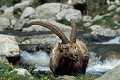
(68, 57)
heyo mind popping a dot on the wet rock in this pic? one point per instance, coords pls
(4, 23)
(49, 10)
(8, 46)
(20, 71)
(111, 75)
(69, 14)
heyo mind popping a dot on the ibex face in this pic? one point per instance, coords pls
(69, 56)
(70, 51)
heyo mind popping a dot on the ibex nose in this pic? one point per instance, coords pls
(74, 57)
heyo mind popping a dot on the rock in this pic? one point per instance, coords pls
(97, 17)
(77, 1)
(111, 7)
(116, 18)
(49, 10)
(118, 32)
(23, 5)
(7, 15)
(63, 27)
(3, 59)
(65, 77)
(9, 10)
(8, 46)
(29, 29)
(27, 12)
(21, 71)
(97, 29)
(4, 23)
(118, 10)
(87, 24)
(20, 24)
(86, 18)
(111, 75)
(69, 14)
(117, 2)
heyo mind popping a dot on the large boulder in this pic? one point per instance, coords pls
(4, 23)
(69, 14)
(113, 74)
(49, 10)
(8, 46)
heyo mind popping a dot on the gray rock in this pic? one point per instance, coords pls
(49, 10)
(9, 10)
(27, 12)
(69, 14)
(65, 77)
(4, 23)
(20, 71)
(113, 74)
(8, 46)
(118, 10)
(3, 59)
(20, 24)
(23, 5)
(97, 29)
(86, 18)
(111, 7)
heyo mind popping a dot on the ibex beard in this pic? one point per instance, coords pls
(69, 59)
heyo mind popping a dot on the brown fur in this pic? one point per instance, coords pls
(72, 60)
(68, 57)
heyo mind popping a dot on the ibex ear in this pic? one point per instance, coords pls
(73, 31)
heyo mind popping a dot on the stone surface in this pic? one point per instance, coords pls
(49, 10)
(113, 74)
(20, 71)
(97, 29)
(27, 12)
(4, 23)
(111, 7)
(8, 46)
(69, 14)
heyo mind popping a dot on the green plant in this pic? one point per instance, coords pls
(6, 2)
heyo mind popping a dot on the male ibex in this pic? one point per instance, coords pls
(68, 57)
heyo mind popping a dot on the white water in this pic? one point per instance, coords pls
(95, 66)
(113, 41)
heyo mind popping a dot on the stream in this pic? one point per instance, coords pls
(104, 53)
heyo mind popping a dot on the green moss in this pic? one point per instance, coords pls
(6, 2)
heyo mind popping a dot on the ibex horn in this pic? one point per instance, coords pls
(53, 28)
(73, 32)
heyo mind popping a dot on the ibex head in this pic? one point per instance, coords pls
(69, 56)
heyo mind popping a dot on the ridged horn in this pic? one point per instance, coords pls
(53, 28)
(73, 31)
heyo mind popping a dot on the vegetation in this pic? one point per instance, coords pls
(5, 74)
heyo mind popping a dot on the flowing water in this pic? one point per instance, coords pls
(95, 66)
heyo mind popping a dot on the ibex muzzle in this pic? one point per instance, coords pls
(68, 57)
